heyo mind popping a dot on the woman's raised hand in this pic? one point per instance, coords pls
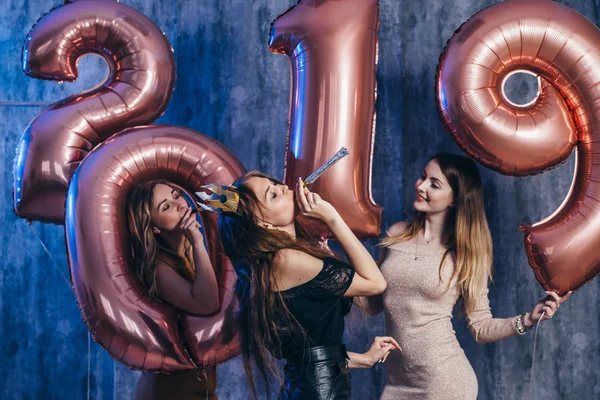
(313, 206)
(191, 227)
(549, 304)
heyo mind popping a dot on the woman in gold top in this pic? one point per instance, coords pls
(442, 255)
(171, 260)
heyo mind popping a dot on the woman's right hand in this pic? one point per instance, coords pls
(381, 348)
(313, 206)
(191, 227)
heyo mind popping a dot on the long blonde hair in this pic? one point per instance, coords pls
(466, 229)
(147, 247)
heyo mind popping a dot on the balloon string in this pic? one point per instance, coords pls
(537, 326)
(54, 262)
(57, 267)
(89, 371)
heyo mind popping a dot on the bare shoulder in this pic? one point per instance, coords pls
(163, 268)
(290, 259)
(165, 274)
(397, 228)
(294, 267)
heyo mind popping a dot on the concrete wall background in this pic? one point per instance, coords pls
(232, 88)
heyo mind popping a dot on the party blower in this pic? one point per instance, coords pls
(223, 200)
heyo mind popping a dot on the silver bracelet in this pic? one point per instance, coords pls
(520, 326)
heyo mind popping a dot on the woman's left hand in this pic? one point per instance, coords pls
(549, 304)
(381, 348)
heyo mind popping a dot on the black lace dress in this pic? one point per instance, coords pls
(317, 366)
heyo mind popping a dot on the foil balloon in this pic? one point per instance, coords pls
(332, 47)
(136, 92)
(139, 332)
(562, 48)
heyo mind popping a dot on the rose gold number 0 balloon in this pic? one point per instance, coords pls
(119, 314)
(563, 48)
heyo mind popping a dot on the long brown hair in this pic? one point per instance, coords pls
(146, 246)
(466, 228)
(251, 248)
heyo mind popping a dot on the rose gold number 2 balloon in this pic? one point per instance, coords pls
(137, 91)
(562, 48)
(332, 46)
(135, 330)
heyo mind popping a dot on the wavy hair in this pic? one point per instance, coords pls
(466, 228)
(146, 246)
(252, 248)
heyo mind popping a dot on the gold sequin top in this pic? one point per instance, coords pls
(418, 314)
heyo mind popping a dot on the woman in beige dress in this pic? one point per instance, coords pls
(442, 255)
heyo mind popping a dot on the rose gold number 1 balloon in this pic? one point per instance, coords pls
(563, 48)
(332, 46)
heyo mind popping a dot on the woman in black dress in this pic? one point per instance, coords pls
(293, 291)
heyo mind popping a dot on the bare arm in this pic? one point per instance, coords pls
(200, 296)
(358, 360)
(205, 288)
(380, 349)
(367, 280)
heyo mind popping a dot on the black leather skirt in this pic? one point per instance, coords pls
(321, 374)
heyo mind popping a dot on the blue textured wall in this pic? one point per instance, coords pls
(230, 87)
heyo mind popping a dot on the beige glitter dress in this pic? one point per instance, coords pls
(418, 313)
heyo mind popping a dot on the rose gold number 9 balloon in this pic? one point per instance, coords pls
(332, 46)
(137, 91)
(117, 310)
(563, 48)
